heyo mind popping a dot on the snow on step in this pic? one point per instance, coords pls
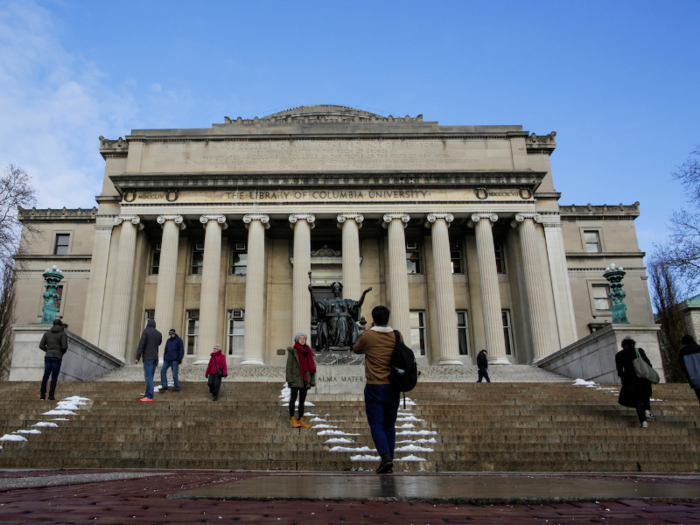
(12, 437)
(44, 424)
(33, 431)
(59, 413)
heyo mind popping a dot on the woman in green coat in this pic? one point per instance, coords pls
(301, 375)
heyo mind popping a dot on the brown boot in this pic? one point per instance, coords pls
(294, 423)
(303, 423)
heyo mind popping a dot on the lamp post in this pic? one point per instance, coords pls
(52, 276)
(614, 276)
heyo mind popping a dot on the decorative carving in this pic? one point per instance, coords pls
(129, 196)
(476, 217)
(326, 252)
(357, 217)
(171, 195)
(614, 276)
(52, 276)
(520, 217)
(542, 139)
(250, 217)
(177, 219)
(221, 219)
(308, 217)
(525, 193)
(432, 217)
(134, 219)
(482, 193)
(603, 210)
(403, 217)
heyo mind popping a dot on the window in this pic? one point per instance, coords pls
(148, 314)
(197, 258)
(239, 259)
(500, 260)
(418, 331)
(507, 331)
(413, 262)
(192, 331)
(600, 297)
(61, 247)
(592, 239)
(456, 256)
(463, 332)
(236, 331)
(155, 259)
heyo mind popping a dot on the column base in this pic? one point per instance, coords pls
(446, 361)
(252, 361)
(499, 361)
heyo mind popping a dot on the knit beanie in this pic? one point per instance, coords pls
(172, 331)
(296, 337)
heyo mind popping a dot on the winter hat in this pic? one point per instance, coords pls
(57, 322)
(217, 347)
(172, 331)
(296, 337)
(687, 340)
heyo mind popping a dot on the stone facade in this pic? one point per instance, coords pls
(392, 203)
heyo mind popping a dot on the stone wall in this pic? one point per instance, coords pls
(593, 357)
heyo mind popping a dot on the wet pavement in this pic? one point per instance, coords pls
(442, 488)
(144, 500)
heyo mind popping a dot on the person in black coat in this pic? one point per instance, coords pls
(482, 363)
(689, 359)
(635, 391)
(55, 344)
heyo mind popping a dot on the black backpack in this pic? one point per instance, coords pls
(404, 370)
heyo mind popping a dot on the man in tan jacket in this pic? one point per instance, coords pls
(377, 342)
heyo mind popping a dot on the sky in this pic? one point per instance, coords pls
(618, 81)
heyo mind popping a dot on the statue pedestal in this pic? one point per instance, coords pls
(338, 358)
(339, 379)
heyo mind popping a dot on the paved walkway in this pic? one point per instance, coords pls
(145, 499)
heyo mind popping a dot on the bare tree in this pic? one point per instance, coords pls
(16, 191)
(8, 300)
(666, 297)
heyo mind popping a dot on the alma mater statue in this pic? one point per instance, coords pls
(337, 319)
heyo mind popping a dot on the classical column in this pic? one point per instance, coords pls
(167, 271)
(398, 274)
(444, 288)
(490, 294)
(534, 284)
(209, 298)
(124, 278)
(301, 299)
(254, 289)
(351, 223)
(98, 279)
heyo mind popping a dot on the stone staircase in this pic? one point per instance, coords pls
(555, 427)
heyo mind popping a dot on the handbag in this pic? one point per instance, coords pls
(643, 370)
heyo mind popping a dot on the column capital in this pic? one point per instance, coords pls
(432, 217)
(308, 217)
(521, 217)
(250, 217)
(357, 217)
(133, 219)
(221, 219)
(389, 217)
(476, 217)
(177, 219)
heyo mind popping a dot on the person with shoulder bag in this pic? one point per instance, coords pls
(636, 391)
(301, 375)
(216, 370)
(690, 362)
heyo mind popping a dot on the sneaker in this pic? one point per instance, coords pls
(42, 398)
(145, 399)
(51, 398)
(215, 398)
(163, 389)
(386, 465)
(650, 415)
(644, 425)
(176, 389)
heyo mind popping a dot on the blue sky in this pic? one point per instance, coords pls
(617, 81)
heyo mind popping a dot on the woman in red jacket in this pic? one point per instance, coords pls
(215, 371)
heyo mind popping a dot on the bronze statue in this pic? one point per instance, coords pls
(337, 319)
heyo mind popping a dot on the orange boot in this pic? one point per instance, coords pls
(303, 423)
(294, 423)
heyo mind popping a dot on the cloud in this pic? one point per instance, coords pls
(54, 106)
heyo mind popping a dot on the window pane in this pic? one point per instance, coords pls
(197, 262)
(61, 247)
(413, 262)
(240, 263)
(462, 338)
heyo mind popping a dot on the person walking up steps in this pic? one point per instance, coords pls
(377, 342)
(690, 362)
(55, 344)
(482, 363)
(148, 349)
(172, 358)
(635, 391)
(216, 370)
(301, 375)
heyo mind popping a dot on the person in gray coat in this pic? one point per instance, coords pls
(690, 362)
(55, 344)
(148, 349)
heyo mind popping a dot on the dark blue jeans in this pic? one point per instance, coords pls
(483, 374)
(52, 367)
(164, 373)
(149, 370)
(381, 405)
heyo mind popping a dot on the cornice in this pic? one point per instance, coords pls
(604, 255)
(113, 148)
(49, 215)
(597, 212)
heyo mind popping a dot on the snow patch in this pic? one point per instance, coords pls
(59, 413)
(656, 400)
(350, 449)
(414, 448)
(417, 433)
(12, 437)
(316, 420)
(583, 382)
(335, 433)
(406, 425)
(33, 431)
(45, 424)
(410, 457)
(60, 419)
(408, 417)
(431, 440)
(339, 440)
(76, 399)
(323, 425)
(67, 406)
(365, 458)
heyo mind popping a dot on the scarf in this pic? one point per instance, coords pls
(306, 359)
